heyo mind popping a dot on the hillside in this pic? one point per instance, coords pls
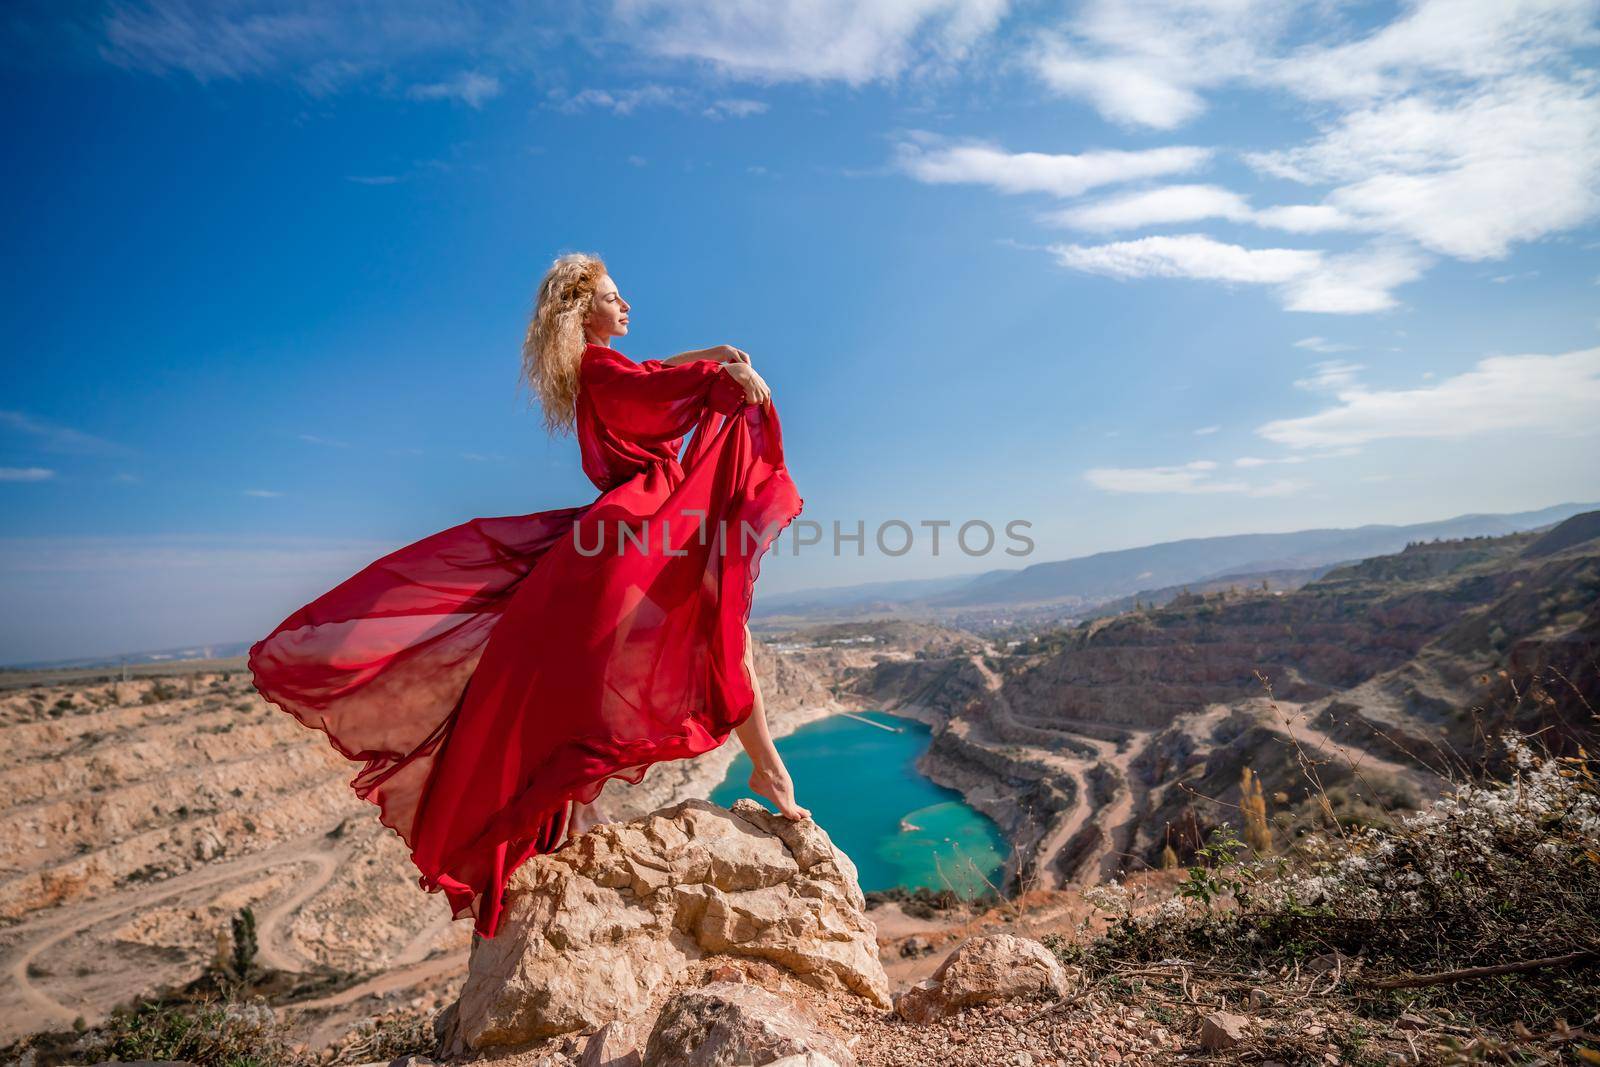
(1095, 747)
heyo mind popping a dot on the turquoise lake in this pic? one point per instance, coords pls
(897, 827)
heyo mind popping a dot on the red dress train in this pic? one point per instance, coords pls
(490, 674)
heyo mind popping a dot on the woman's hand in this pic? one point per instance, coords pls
(727, 354)
(755, 389)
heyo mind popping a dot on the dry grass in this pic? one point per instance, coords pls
(1466, 932)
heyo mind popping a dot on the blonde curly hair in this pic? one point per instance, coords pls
(555, 342)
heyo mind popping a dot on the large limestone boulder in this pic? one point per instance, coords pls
(984, 968)
(593, 931)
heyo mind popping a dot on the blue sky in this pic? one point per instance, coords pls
(1130, 272)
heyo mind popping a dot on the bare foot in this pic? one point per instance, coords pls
(586, 817)
(776, 785)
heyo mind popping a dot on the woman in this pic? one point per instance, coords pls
(493, 676)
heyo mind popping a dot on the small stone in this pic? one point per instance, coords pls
(981, 970)
(1223, 1030)
(1327, 963)
(735, 1022)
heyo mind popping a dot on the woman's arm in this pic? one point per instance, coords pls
(652, 401)
(720, 353)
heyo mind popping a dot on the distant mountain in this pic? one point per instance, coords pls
(1575, 531)
(868, 594)
(1091, 580)
(221, 650)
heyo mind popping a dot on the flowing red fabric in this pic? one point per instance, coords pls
(489, 675)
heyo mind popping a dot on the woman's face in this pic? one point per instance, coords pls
(608, 312)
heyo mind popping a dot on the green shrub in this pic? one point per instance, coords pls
(225, 1033)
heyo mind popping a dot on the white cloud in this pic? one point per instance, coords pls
(26, 474)
(1557, 394)
(211, 43)
(1355, 282)
(1192, 203)
(933, 159)
(1147, 63)
(1150, 62)
(818, 40)
(1190, 255)
(1204, 430)
(733, 107)
(54, 437)
(620, 101)
(1189, 478)
(1263, 461)
(1508, 162)
(628, 100)
(262, 492)
(1330, 375)
(1322, 344)
(1166, 204)
(329, 47)
(1307, 279)
(1438, 42)
(322, 47)
(469, 87)
(1465, 127)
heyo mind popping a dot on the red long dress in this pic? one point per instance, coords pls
(491, 674)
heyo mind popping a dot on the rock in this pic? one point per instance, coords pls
(208, 846)
(251, 1013)
(616, 1044)
(983, 968)
(728, 1023)
(1223, 1030)
(916, 945)
(594, 930)
(1328, 962)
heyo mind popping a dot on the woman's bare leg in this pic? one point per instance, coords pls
(585, 817)
(770, 778)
